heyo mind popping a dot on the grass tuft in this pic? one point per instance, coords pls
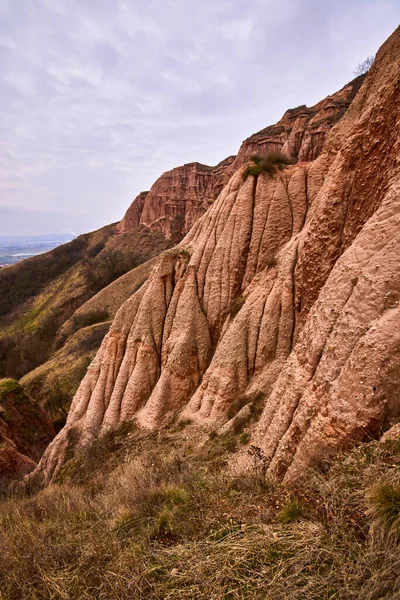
(291, 511)
(384, 511)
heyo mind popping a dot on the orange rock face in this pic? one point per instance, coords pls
(287, 289)
(181, 196)
(301, 132)
(177, 199)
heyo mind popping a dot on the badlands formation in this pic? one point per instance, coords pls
(284, 290)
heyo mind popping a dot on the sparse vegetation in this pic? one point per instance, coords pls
(268, 164)
(185, 253)
(364, 66)
(173, 523)
(384, 510)
(8, 386)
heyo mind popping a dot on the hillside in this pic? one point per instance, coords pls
(152, 516)
(39, 296)
(25, 431)
(56, 308)
(234, 344)
(283, 296)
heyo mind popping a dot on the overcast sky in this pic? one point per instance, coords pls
(99, 97)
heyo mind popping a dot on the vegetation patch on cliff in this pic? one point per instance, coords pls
(268, 164)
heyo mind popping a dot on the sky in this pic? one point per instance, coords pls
(100, 97)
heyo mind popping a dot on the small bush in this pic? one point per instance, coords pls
(185, 253)
(364, 67)
(384, 510)
(96, 249)
(269, 164)
(271, 262)
(7, 386)
(244, 439)
(290, 511)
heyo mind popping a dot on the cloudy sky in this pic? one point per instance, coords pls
(99, 97)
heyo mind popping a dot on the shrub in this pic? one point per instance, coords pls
(244, 438)
(269, 164)
(291, 511)
(384, 510)
(185, 253)
(364, 67)
(96, 249)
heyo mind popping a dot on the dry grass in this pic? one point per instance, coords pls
(384, 510)
(268, 164)
(158, 520)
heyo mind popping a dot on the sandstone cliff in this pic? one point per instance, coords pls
(286, 289)
(181, 196)
(177, 199)
(302, 131)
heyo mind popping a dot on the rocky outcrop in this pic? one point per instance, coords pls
(133, 214)
(25, 431)
(181, 196)
(286, 289)
(177, 199)
(301, 132)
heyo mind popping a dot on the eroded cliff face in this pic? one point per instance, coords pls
(177, 199)
(181, 196)
(302, 131)
(286, 289)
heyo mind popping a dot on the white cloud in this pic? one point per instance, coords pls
(99, 97)
(238, 29)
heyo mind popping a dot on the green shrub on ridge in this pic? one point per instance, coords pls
(269, 164)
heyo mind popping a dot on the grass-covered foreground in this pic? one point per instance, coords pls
(144, 516)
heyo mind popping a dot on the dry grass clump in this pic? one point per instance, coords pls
(161, 521)
(268, 164)
(384, 511)
(291, 511)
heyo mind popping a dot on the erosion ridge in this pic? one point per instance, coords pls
(287, 287)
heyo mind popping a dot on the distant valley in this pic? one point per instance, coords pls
(16, 248)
